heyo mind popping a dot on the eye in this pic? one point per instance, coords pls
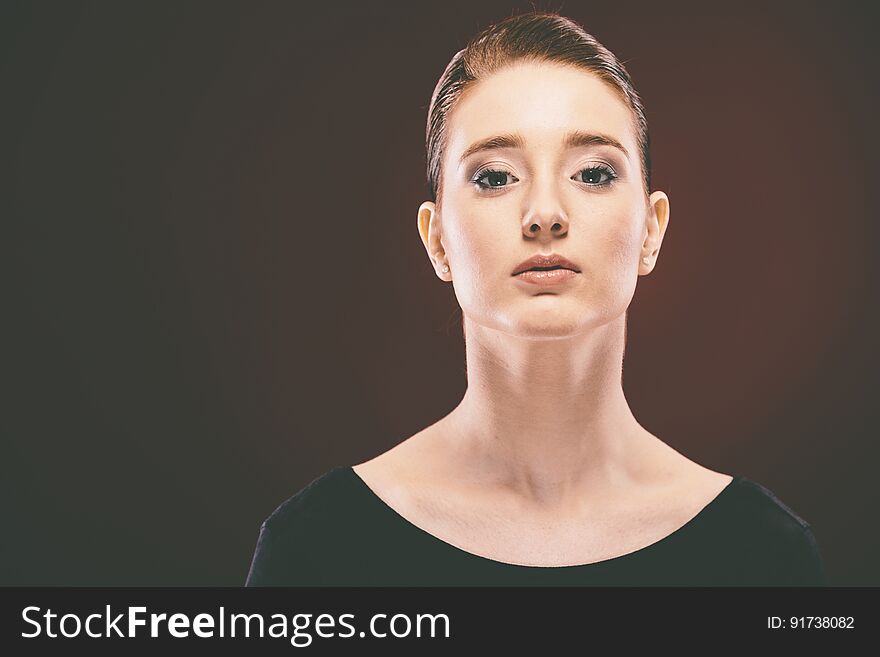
(595, 173)
(494, 177)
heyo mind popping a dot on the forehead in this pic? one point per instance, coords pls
(541, 101)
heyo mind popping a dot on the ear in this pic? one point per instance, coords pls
(656, 221)
(429, 230)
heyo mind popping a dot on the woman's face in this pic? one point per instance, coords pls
(583, 200)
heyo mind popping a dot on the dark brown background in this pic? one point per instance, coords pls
(219, 291)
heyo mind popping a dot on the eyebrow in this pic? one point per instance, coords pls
(573, 139)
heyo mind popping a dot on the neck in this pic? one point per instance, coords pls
(547, 419)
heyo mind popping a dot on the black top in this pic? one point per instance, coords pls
(337, 532)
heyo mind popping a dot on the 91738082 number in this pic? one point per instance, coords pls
(811, 622)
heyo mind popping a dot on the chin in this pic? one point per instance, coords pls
(548, 326)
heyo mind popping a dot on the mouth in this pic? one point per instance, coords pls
(546, 275)
(544, 263)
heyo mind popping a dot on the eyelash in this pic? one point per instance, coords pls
(599, 167)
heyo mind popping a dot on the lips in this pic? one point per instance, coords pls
(542, 262)
(545, 277)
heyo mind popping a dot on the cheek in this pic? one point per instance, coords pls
(616, 249)
(618, 238)
(621, 248)
(474, 245)
(480, 251)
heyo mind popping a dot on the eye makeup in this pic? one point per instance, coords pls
(599, 171)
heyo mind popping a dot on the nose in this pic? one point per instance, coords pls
(546, 218)
(546, 226)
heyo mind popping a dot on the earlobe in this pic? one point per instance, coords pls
(428, 225)
(657, 220)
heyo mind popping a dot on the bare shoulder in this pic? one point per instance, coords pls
(411, 479)
(395, 475)
(697, 491)
(674, 476)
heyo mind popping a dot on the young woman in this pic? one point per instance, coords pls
(542, 217)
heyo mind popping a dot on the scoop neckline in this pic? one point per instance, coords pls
(687, 526)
